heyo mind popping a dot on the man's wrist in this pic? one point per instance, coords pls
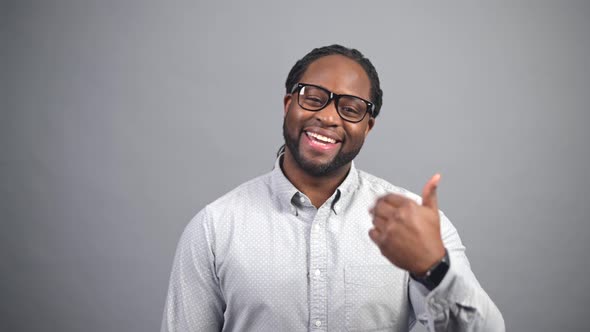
(435, 274)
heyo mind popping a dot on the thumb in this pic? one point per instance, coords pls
(429, 197)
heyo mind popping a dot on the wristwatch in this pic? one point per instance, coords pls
(435, 274)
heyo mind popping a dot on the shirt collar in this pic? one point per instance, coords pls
(346, 189)
(281, 187)
(284, 190)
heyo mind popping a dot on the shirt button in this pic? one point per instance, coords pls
(318, 323)
(316, 227)
(302, 199)
(317, 274)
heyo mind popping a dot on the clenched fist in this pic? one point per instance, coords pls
(408, 234)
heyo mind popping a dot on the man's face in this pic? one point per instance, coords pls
(322, 142)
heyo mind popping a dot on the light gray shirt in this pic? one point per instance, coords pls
(263, 258)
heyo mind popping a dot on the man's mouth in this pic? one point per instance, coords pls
(320, 138)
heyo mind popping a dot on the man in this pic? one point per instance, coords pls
(317, 244)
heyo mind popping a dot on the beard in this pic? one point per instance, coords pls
(314, 168)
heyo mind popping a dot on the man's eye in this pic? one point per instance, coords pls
(350, 110)
(313, 100)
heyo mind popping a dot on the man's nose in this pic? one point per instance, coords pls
(329, 115)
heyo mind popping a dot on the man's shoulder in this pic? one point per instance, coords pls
(254, 189)
(237, 199)
(379, 186)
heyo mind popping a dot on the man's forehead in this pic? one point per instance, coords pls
(339, 74)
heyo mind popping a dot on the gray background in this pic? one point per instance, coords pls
(120, 120)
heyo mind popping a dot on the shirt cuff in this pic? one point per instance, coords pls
(453, 297)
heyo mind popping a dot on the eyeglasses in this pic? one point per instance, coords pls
(315, 98)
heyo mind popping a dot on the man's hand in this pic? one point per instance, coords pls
(408, 234)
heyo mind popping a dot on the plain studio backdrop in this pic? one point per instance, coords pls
(120, 120)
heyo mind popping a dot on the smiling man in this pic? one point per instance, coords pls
(317, 244)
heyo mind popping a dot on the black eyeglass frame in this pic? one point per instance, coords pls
(332, 96)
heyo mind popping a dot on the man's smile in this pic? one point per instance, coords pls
(321, 139)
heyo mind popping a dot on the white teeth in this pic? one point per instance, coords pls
(321, 137)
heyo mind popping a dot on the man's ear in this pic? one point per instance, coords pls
(370, 125)
(287, 103)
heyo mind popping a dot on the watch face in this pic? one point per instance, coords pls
(436, 274)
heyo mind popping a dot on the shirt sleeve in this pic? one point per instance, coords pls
(458, 303)
(194, 301)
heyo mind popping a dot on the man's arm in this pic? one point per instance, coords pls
(194, 301)
(408, 234)
(458, 303)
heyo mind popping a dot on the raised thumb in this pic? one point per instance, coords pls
(429, 196)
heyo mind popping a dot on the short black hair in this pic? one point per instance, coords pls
(301, 66)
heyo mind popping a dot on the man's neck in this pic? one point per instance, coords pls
(317, 188)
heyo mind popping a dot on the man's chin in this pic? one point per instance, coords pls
(323, 165)
(318, 169)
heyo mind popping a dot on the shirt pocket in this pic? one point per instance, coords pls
(373, 297)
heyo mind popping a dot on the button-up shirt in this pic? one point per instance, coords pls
(263, 258)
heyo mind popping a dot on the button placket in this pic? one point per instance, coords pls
(317, 268)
